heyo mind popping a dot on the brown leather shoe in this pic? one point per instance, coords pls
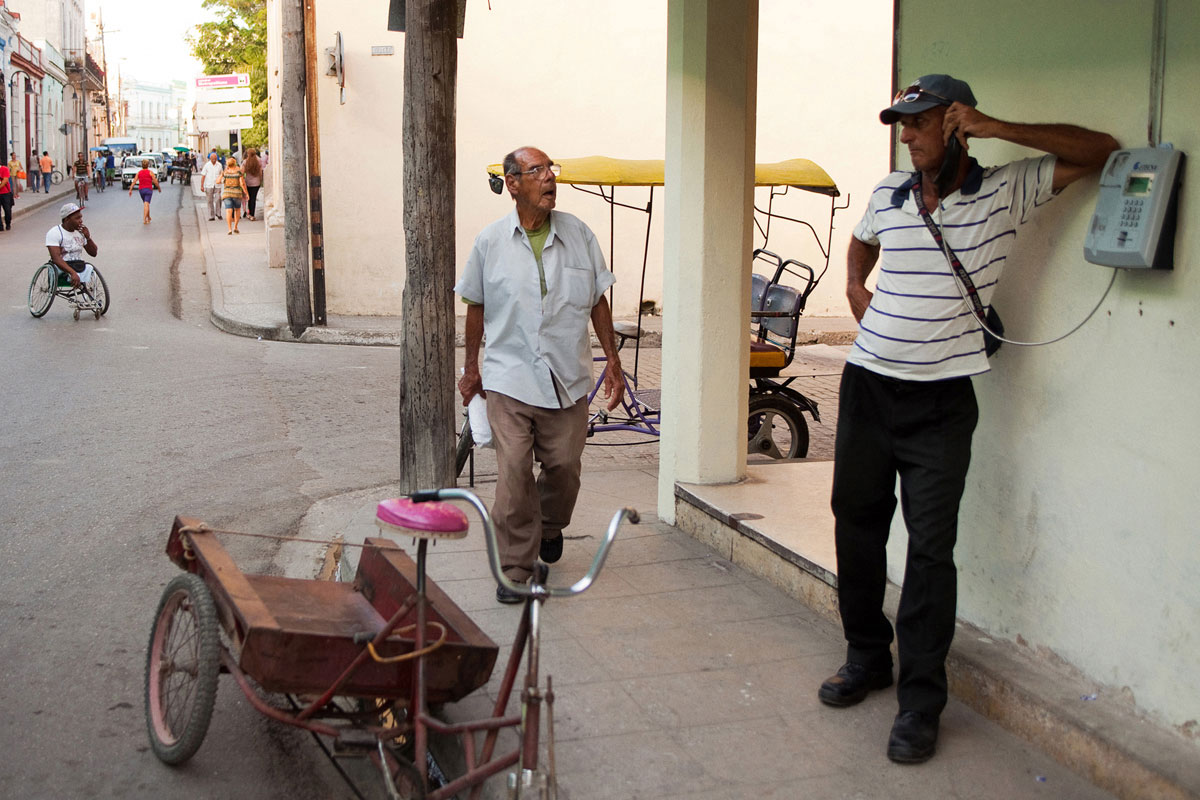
(852, 683)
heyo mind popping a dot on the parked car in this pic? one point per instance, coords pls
(160, 165)
(130, 167)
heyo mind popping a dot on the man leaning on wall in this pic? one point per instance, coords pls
(906, 405)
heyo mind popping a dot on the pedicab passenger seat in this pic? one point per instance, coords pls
(774, 337)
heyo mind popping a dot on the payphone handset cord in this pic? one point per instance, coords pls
(967, 300)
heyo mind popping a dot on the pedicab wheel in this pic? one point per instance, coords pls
(41, 291)
(776, 427)
(182, 666)
(98, 289)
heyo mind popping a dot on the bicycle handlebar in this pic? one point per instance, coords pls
(489, 534)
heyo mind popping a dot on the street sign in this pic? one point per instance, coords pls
(207, 110)
(220, 95)
(230, 80)
(224, 123)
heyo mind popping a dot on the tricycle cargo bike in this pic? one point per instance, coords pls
(361, 663)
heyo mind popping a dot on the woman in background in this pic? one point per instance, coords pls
(232, 193)
(14, 171)
(147, 182)
(6, 200)
(254, 177)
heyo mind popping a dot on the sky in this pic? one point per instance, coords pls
(145, 38)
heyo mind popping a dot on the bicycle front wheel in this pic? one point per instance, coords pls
(41, 291)
(56, 177)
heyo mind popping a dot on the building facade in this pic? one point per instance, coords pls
(154, 113)
(49, 78)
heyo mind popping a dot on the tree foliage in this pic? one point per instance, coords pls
(236, 41)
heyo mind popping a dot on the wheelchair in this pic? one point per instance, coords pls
(49, 282)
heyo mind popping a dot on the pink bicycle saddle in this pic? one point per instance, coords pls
(431, 520)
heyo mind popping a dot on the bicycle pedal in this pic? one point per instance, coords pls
(354, 742)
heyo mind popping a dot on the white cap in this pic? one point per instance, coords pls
(67, 210)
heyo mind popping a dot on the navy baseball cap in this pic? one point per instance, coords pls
(926, 92)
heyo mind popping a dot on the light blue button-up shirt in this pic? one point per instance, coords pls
(532, 342)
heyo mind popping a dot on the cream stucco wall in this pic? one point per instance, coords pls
(584, 79)
(1078, 530)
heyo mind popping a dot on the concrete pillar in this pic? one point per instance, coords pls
(272, 192)
(712, 63)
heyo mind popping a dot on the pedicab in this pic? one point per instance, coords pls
(776, 425)
(361, 664)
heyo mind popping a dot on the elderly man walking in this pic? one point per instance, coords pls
(533, 280)
(211, 184)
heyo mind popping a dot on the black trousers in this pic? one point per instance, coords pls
(922, 432)
(6, 205)
(253, 191)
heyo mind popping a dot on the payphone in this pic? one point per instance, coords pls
(1134, 223)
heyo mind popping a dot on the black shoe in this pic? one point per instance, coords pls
(507, 596)
(914, 737)
(551, 549)
(852, 683)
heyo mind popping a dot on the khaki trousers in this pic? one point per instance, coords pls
(528, 509)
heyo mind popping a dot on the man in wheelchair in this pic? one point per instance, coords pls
(68, 242)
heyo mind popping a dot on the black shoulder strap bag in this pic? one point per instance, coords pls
(990, 320)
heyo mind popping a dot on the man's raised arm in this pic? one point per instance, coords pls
(1080, 151)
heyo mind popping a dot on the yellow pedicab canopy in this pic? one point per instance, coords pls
(605, 171)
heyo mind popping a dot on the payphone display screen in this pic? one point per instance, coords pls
(1138, 185)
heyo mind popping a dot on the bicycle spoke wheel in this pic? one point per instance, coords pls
(41, 291)
(98, 289)
(466, 443)
(182, 666)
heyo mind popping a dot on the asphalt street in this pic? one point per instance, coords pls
(111, 427)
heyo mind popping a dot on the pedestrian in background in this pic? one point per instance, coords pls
(254, 176)
(6, 200)
(147, 182)
(35, 174)
(47, 164)
(233, 191)
(210, 184)
(14, 170)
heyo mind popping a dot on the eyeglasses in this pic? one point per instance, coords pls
(555, 170)
(913, 93)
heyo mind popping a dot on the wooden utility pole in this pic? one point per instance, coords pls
(295, 177)
(427, 382)
(316, 227)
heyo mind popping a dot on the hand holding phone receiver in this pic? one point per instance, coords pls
(948, 172)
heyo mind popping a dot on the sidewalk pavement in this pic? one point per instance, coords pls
(678, 674)
(30, 201)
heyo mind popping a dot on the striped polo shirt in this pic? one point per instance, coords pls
(917, 326)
